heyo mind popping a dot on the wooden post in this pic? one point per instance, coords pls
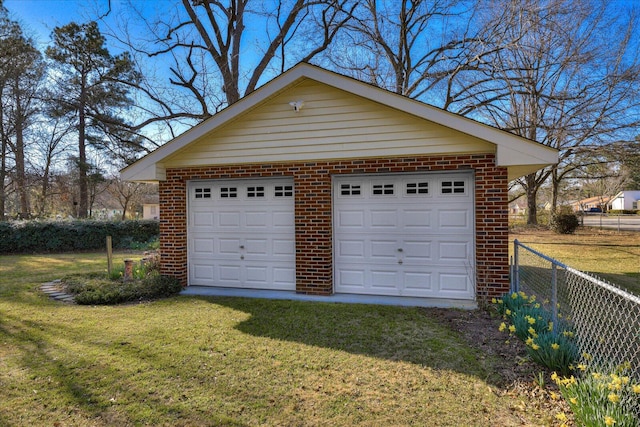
(109, 256)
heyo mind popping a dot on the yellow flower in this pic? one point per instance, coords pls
(555, 346)
(582, 367)
(561, 416)
(554, 395)
(514, 295)
(522, 294)
(532, 332)
(531, 320)
(554, 377)
(502, 327)
(573, 401)
(494, 301)
(596, 375)
(636, 388)
(529, 341)
(550, 327)
(532, 298)
(537, 305)
(587, 356)
(535, 346)
(512, 328)
(507, 312)
(609, 421)
(500, 301)
(614, 398)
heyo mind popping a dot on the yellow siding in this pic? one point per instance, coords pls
(332, 125)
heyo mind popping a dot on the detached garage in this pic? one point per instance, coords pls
(318, 184)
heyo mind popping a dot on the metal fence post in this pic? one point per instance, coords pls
(516, 267)
(554, 296)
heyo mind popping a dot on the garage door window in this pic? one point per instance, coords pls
(382, 189)
(202, 193)
(283, 191)
(228, 192)
(453, 187)
(255, 191)
(350, 190)
(414, 188)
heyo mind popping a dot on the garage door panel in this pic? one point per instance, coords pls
(417, 283)
(383, 250)
(454, 283)
(242, 233)
(257, 219)
(284, 247)
(229, 274)
(415, 239)
(351, 219)
(256, 246)
(351, 248)
(283, 276)
(384, 281)
(203, 219)
(417, 221)
(452, 251)
(352, 279)
(454, 219)
(417, 251)
(229, 220)
(227, 246)
(203, 246)
(203, 272)
(383, 219)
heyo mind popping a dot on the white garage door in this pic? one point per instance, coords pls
(404, 235)
(241, 234)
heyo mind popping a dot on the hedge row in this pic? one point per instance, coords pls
(59, 236)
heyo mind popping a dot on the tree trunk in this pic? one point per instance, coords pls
(21, 181)
(83, 205)
(532, 195)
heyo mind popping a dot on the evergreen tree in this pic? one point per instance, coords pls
(90, 89)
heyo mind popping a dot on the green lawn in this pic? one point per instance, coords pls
(230, 361)
(611, 255)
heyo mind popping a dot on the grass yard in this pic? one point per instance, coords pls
(237, 362)
(611, 255)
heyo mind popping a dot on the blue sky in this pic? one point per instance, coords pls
(39, 17)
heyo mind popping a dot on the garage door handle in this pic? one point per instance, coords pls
(399, 249)
(399, 261)
(241, 256)
(241, 246)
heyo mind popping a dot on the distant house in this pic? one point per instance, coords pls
(626, 200)
(591, 204)
(151, 207)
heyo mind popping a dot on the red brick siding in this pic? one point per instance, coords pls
(312, 181)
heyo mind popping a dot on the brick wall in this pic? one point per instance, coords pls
(312, 180)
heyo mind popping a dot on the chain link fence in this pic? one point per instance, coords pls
(604, 318)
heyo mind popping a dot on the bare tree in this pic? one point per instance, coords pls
(568, 78)
(219, 51)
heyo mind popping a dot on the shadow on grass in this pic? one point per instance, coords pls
(394, 333)
(80, 380)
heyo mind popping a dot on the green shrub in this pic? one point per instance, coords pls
(92, 290)
(564, 223)
(66, 236)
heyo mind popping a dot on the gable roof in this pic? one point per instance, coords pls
(520, 155)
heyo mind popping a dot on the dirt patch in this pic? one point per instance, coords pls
(512, 371)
